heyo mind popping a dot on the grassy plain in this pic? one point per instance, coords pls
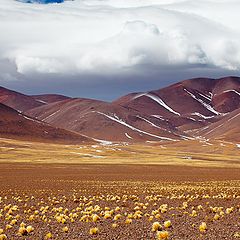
(180, 191)
(183, 153)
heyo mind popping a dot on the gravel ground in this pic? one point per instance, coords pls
(66, 201)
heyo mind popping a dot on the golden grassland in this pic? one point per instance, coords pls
(133, 210)
(187, 190)
(184, 153)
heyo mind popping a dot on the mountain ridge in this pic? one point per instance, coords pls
(16, 125)
(172, 113)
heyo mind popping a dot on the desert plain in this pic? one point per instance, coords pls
(119, 191)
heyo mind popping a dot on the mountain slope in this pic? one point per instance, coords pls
(227, 129)
(16, 125)
(188, 104)
(18, 101)
(49, 98)
(177, 112)
(106, 121)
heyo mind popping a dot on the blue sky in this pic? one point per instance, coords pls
(41, 1)
(106, 48)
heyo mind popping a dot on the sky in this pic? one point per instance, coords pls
(107, 48)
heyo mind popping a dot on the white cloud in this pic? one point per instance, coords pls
(112, 36)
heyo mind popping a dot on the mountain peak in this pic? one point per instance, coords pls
(173, 113)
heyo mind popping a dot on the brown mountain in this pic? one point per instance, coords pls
(188, 104)
(172, 113)
(227, 128)
(22, 102)
(18, 101)
(16, 125)
(49, 98)
(106, 121)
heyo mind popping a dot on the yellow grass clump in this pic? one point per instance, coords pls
(8, 226)
(167, 224)
(94, 231)
(114, 225)
(3, 236)
(48, 236)
(162, 235)
(118, 216)
(216, 217)
(203, 227)
(29, 229)
(128, 221)
(22, 231)
(229, 210)
(95, 217)
(65, 229)
(156, 226)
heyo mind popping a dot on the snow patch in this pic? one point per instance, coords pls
(51, 115)
(30, 119)
(120, 121)
(126, 134)
(94, 146)
(206, 105)
(99, 151)
(103, 142)
(158, 100)
(193, 119)
(209, 98)
(238, 93)
(159, 117)
(152, 124)
(41, 101)
(202, 116)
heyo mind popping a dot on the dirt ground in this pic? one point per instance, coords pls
(63, 201)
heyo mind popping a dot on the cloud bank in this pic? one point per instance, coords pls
(117, 37)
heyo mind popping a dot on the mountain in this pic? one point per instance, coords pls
(188, 104)
(16, 125)
(18, 101)
(166, 114)
(22, 102)
(226, 129)
(102, 120)
(180, 111)
(49, 98)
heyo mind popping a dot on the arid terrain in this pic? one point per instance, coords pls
(52, 191)
(121, 201)
(119, 120)
(145, 166)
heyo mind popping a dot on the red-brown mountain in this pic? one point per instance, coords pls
(49, 98)
(227, 128)
(18, 101)
(172, 113)
(105, 121)
(190, 103)
(164, 114)
(15, 125)
(22, 102)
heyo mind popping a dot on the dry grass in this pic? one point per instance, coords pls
(184, 153)
(132, 192)
(56, 209)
